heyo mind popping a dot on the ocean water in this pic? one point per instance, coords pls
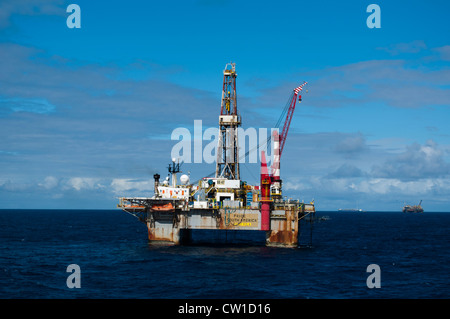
(116, 261)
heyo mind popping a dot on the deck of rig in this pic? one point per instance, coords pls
(225, 202)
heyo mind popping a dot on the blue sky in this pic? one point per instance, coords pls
(86, 114)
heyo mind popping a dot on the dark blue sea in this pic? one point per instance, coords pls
(116, 261)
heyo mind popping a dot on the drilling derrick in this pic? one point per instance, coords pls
(227, 164)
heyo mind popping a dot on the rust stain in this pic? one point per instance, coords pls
(283, 237)
(221, 221)
(284, 232)
(158, 234)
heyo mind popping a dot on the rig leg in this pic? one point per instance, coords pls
(283, 230)
(167, 232)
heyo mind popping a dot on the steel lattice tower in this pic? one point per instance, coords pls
(229, 120)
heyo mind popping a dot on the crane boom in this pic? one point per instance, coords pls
(278, 143)
(289, 115)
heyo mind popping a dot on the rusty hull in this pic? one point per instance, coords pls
(175, 228)
(283, 229)
(165, 235)
(167, 228)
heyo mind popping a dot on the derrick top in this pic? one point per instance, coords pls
(231, 70)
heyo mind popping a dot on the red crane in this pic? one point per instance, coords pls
(290, 113)
(266, 179)
(280, 139)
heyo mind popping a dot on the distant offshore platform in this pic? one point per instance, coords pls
(413, 208)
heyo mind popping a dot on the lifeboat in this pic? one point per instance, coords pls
(163, 208)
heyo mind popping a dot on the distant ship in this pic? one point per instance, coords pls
(350, 210)
(413, 209)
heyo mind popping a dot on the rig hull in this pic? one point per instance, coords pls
(175, 227)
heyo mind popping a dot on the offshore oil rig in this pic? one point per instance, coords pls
(413, 208)
(225, 201)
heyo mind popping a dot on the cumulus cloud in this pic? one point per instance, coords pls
(83, 183)
(369, 193)
(400, 187)
(370, 185)
(121, 186)
(379, 180)
(49, 182)
(416, 162)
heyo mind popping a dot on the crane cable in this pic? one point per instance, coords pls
(268, 141)
(277, 125)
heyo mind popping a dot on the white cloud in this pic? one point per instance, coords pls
(49, 182)
(396, 186)
(83, 183)
(121, 186)
(416, 162)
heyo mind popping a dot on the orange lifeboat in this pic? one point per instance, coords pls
(163, 208)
